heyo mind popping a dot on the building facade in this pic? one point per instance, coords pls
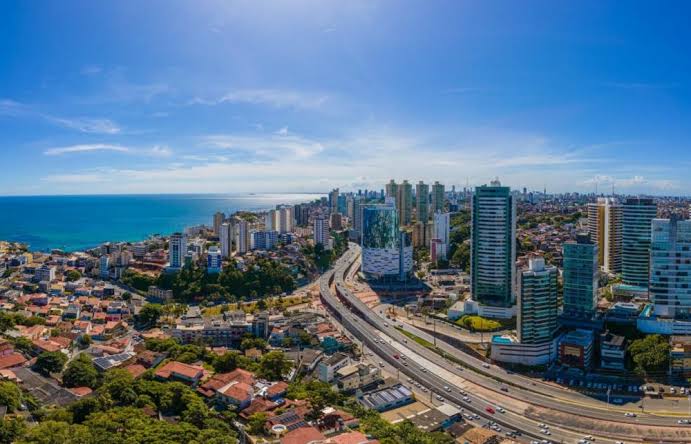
(214, 260)
(440, 230)
(321, 231)
(242, 236)
(177, 249)
(580, 277)
(404, 203)
(422, 202)
(437, 201)
(537, 303)
(387, 252)
(605, 229)
(493, 245)
(670, 268)
(637, 218)
(225, 238)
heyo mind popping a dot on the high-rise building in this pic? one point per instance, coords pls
(104, 266)
(225, 237)
(350, 207)
(242, 236)
(404, 203)
(177, 249)
(270, 220)
(333, 200)
(670, 268)
(637, 217)
(437, 197)
(264, 240)
(392, 190)
(580, 277)
(214, 261)
(387, 252)
(218, 220)
(321, 231)
(301, 213)
(537, 303)
(440, 230)
(336, 221)
(493, 245)
(422, 202)
(604, 225)
(420, 238)
(284, 217)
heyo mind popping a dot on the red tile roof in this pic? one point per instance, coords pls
(12, 360)
(277, 389)
(302, 435)
(174, 368)
(237, 390)
(135, 370)
(81, 391)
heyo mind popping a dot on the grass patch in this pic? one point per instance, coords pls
(478, 323)
(415, 338)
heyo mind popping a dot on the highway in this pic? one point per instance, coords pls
(385, 341)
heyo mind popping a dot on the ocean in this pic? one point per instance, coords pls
(75, 223)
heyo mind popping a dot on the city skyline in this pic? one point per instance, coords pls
(219, 97)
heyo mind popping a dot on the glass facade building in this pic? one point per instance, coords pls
(637, 217)
(537, 303)
(580, 277)
(387, 253)
(670, 268)
(493, 245)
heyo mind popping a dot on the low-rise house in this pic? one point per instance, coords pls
(303, 435)
(612, 351)
(292, 419)
(178, 371)
(357, 376)
(235, 393)
(276, 391)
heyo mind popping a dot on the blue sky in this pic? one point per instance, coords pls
(240, 96)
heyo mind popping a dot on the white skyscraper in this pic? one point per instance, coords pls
(440, 230)
(242, 236)
(270, 223)
(321, 231)
(213, 260)
(285, 220)
(226, 239)
(177, 249)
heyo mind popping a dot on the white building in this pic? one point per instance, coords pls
(214, 260)
(225, 236)
(440, 230)
(177, 249)
(45, 273)
(321, 231)
(103, 266)
(242, 236)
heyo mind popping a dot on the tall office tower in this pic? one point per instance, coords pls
(104, 265)
(225, 237)
(387, 252)
(242, 236)
(218, 220)
(350, 207)
(302, 214)
(604, 225)
(422, 202)
(336, 221)
(637, 217)
(440, 230)
(437, 197)
(284, 216)
(537, 303)
(270, 221)
(341, 206)
(670, 268)
(333, 200)
(177, 249)
(321, 231)
(404, 203)
(580, 277)
(392, 190)
(493, 245)
(420, 234)
(214, 262)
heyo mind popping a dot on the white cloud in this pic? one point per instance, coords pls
(87, 125)
(272, 97)
(84, 149)
(274, 146)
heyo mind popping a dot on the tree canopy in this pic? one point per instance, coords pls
(80, 372)
(50, 362)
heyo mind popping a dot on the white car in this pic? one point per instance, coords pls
(501, 410)
(630, 415)
(485, 365)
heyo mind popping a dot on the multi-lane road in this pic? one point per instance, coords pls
(460, 386)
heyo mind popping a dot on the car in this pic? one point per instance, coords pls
(618, 442)
(405, 364)
(397, 356)
(630, 415)
(683, 421)
(405, 341)
(446, 388)
(489, 410)
(381, 364)
(589, 437)
(501, 410)
(485, 365)
(410, 380)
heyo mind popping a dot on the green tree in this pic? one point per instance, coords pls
(80, 372)
(273, 366)
(227, 362)
(255, 423)
(72, 275)
(150, 313)
(650, 354)
(50, 362)
(11, 429)
(10, 395)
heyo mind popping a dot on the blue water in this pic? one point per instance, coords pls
(81, 222)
